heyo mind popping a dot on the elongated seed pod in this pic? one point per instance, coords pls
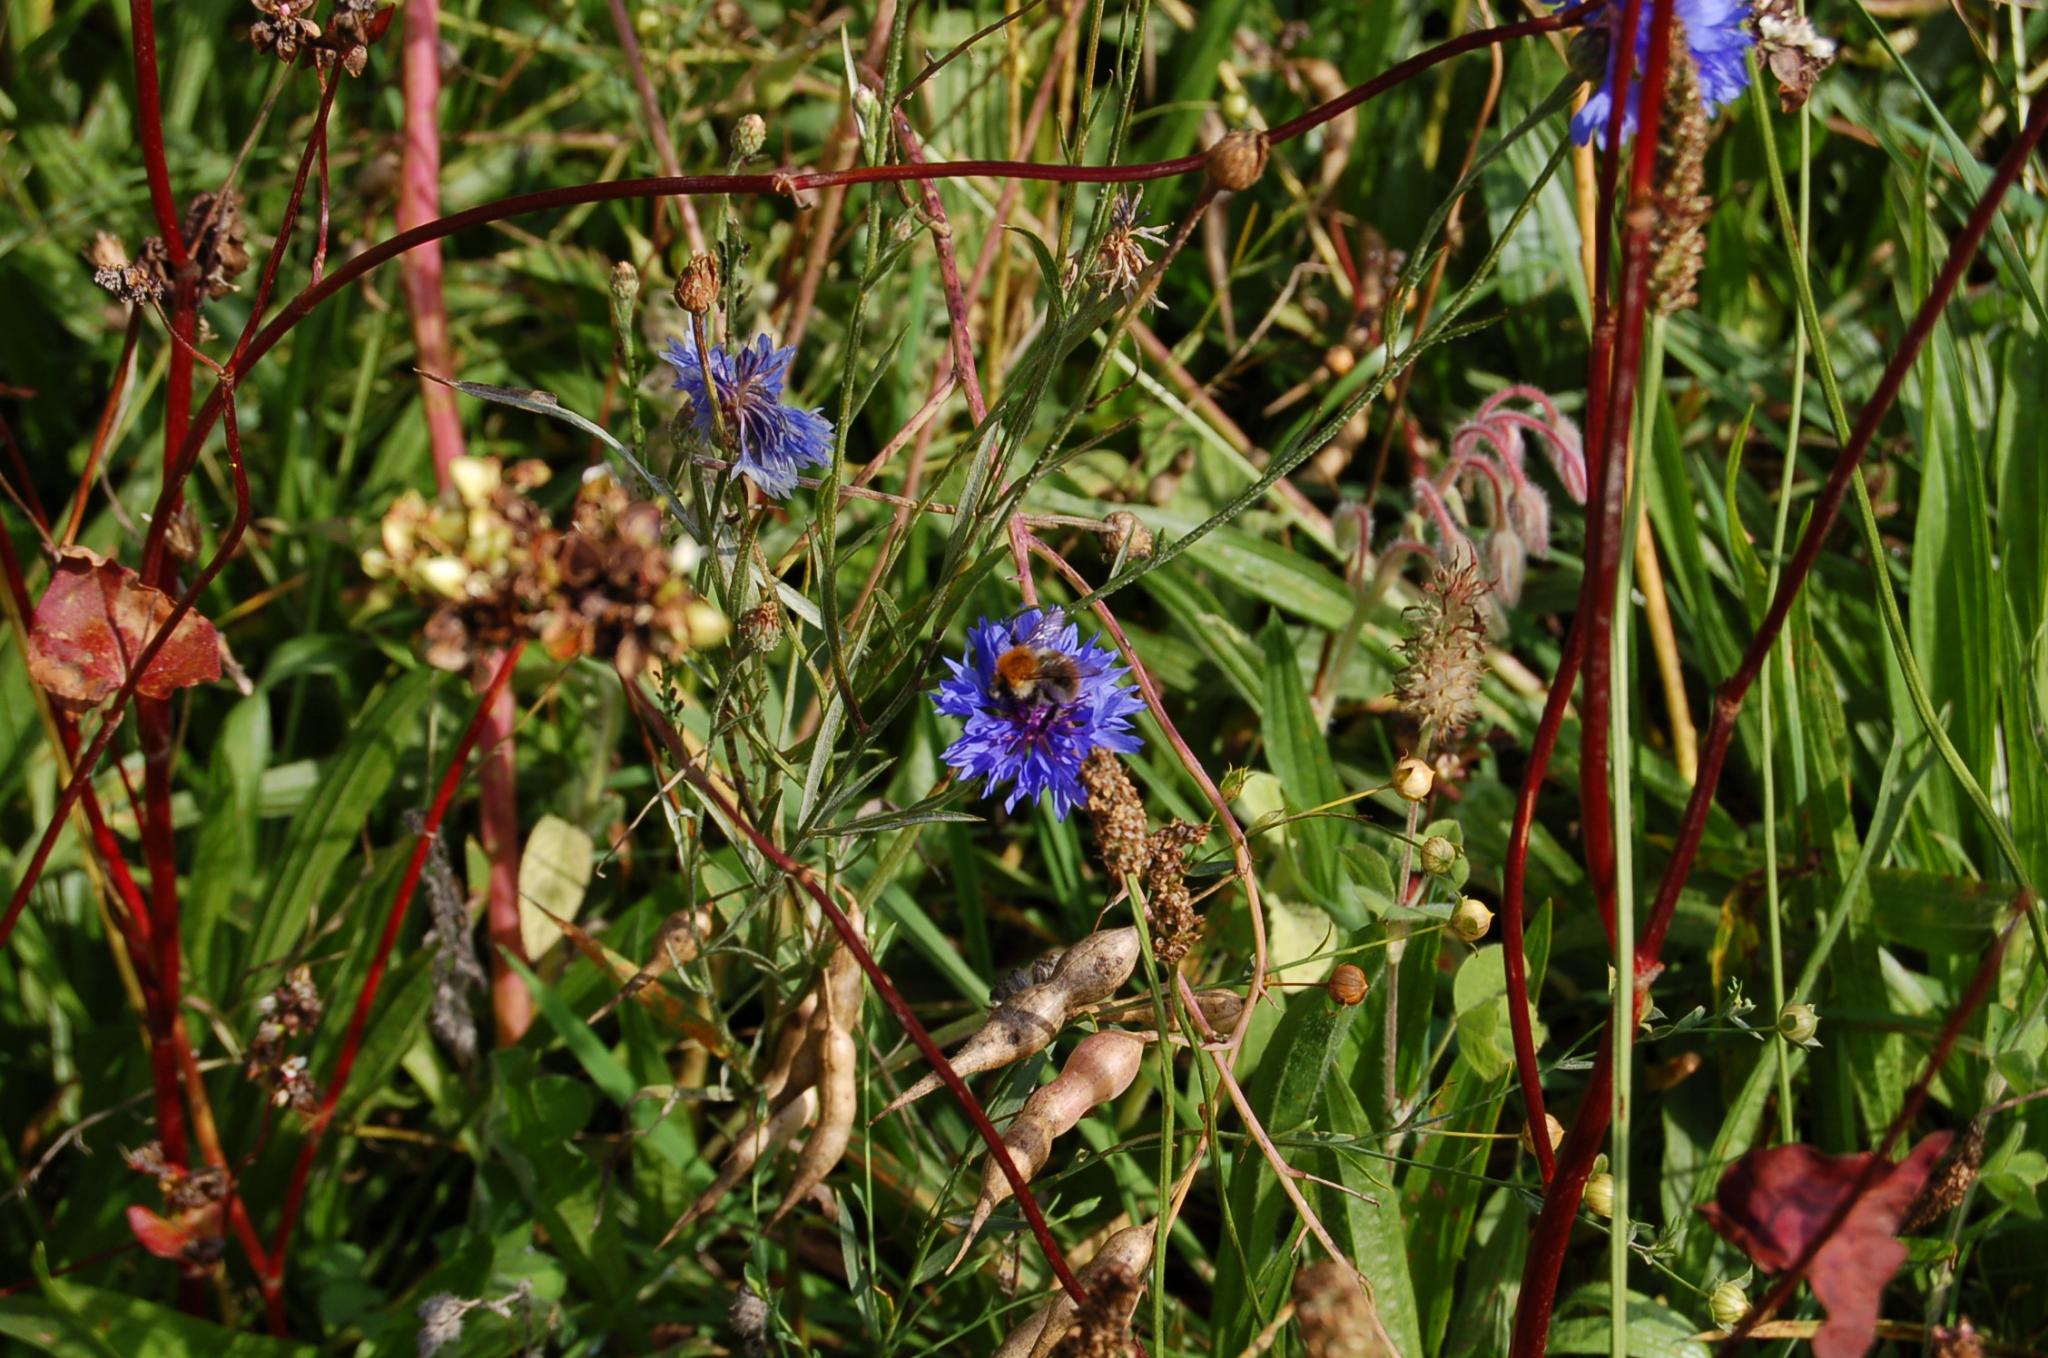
(838, 1104)
(745, 1152)
(1101, 1068)
(1028, 1021)
(1125, 1256)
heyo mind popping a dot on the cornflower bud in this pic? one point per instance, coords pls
(1413, 778)
(625, 283)
(1439, 856)
(749, 135)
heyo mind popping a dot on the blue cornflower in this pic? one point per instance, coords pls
(1717, 32)
(775, 440)
(1036, 701)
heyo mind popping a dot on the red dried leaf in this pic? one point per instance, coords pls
(1772, 1203)
(165, 1239)
(94, 620)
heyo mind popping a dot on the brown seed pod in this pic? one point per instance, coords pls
(1347, 985)
(1028, 1021)
(1101, 1068)
(1237, 160)
(745, 1153)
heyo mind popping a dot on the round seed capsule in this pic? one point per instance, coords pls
(1347, 985)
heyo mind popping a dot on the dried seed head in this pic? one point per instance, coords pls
(1793, 50)
(1336, 1316)
(1120, 259)
(1678, 244)
(1237, 160)
(1439, 856)
(284, 27)
(1117, 814)
(1727, 1303)
(1445, 652)
(1960, 1340)
(136, 282)
(440, 1322)
(1347, 985)
(1169, 907)
(1943, 1192)
(697, 289)
(1600, 1194)
(1128, 537)
(1413, 778)
(748, 1318)
(1798, 1023)
(1552, 1128)
(749, 135)
(1471, 920)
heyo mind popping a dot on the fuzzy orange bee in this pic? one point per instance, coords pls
(1035, 673)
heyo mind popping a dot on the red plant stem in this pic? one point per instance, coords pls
(1582, 1143)
(150, 125)
(394, 918)
(1880, 1163)
(884, 987)
(32, 501)
(1513, 879)
(419, 201)
(498, 812)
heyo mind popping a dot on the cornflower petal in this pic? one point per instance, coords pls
(775, 440)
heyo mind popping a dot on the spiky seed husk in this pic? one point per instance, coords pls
(1678, 243)
(1446, 653)
(1116, 812)
(1944, 1189)
(1169, 906)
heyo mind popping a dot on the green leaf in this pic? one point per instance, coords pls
(1300, 756)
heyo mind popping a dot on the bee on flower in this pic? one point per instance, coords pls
(1036, 701)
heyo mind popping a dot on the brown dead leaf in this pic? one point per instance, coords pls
(93, 622)
(1773, 1203)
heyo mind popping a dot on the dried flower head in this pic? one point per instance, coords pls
(1445, 652)
(773, 441)
(1169, 907)
(286, 27)
(1120, 259)
(472, 552)
(136, 282)
(288, 1012)
(1114, 809)
(1796, 53)
(612, 586)
(697, 289)
(489, 558)
(1718, 39)
(1036, 700)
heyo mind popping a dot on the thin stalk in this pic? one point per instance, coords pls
(1622, 1018)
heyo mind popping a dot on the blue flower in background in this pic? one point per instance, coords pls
(776, 441)
(1716, 31)
(1036, 701)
